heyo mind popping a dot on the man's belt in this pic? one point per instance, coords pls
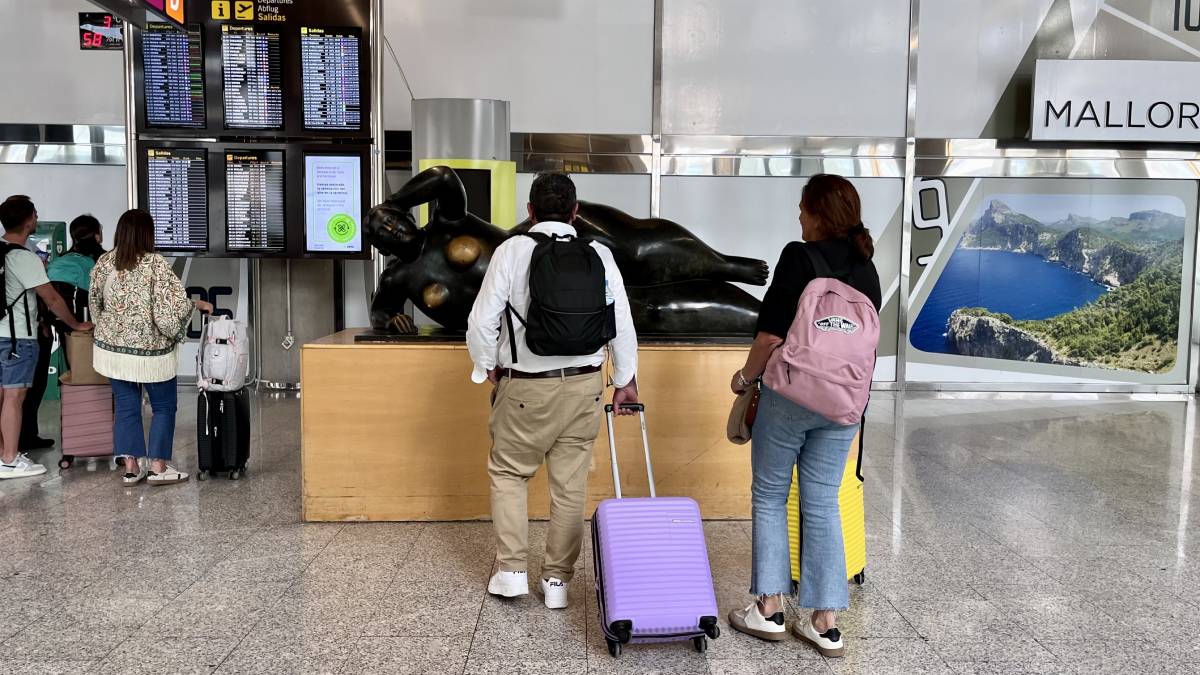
(560, 372)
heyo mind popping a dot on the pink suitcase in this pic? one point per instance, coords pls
(87, 421)
(653, 580)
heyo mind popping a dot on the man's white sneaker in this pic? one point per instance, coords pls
(829, 643)
(509, 584)
(555, 591)
(22, 467)
(751, 622)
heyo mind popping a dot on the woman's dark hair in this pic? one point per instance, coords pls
(135, 238)
(84, 231)
(834, 202)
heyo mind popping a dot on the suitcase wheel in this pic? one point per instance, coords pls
(622, 631)
(860, 578)
(708, 624)
(700, 643)
(202, 475)
(614, 648)
(237, 474)
(66, 462)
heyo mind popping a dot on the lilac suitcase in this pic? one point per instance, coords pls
(653, 581)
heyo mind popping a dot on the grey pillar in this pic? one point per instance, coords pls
(459, 128)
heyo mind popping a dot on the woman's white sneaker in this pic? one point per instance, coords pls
(555, 592)
(509, 584)
(751, 622)
(169, 476)
(22, 467)
(829, 643)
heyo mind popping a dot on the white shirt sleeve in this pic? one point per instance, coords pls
(625, 345)
(483, 324)
(29, 269)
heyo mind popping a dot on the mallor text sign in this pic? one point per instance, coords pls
(1145, 101)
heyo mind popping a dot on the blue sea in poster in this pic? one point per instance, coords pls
(1020, 284)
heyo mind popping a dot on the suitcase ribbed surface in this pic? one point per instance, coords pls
(87, 420)
(654, 566)
(853, 511)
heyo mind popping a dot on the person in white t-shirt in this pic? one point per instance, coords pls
(23, 273)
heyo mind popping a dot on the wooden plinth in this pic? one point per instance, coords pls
(399, 432)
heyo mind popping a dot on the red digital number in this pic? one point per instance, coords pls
(87, 39)
(108, 20)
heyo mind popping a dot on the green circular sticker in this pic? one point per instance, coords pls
(342, 228)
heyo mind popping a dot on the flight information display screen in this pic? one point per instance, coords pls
(177, 197)
(329, 60)
(253, 90)
(333, 203)
(254, 212)
(173, 76)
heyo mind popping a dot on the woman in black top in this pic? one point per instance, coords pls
(789, 437)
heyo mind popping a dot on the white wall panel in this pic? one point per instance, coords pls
(47, 78)
(566, 65)
(62, 192)
(782, 67)
(757, 217)
(969, 50)
(630, 193)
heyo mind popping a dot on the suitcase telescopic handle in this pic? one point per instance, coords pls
(612, 445)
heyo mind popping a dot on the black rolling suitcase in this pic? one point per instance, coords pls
(223, 432)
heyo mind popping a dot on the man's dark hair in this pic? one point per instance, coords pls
(15, 212)
(552, 197)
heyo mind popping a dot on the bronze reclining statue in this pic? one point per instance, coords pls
(677, 284)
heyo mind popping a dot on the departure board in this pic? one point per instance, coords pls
(173, 76)
(329, 63)
(251, 63)
(254, 214)
(177, 198)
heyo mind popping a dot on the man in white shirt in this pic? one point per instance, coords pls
(545, 408)
(23, 272)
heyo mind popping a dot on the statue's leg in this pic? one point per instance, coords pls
(746, 270)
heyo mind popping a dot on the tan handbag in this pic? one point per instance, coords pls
(78, 346)
(742, 415)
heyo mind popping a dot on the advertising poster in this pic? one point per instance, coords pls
(1051, 280)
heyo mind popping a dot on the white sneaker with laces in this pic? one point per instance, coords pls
(169, 476)
(829, 643)
(509, 584)
(22, 467)
(751, 622)
(134, 478)
(555, 591)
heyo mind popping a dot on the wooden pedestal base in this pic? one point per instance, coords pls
(399, 432)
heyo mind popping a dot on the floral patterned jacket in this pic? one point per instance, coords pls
(143, 311)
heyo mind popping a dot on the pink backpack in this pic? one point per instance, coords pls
(826, 362)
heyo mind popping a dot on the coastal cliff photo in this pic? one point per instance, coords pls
(1082, 280)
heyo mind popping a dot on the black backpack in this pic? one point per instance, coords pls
(6, 309)
(569, 314)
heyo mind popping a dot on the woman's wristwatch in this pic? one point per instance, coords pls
(742, 381)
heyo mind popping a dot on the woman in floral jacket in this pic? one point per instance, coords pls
(141, 314)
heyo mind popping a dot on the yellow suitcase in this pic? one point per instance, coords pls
(854, 530)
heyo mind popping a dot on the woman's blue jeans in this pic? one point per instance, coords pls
(786, 437)
(129, 436)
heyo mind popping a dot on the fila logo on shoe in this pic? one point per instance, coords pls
(836, 324)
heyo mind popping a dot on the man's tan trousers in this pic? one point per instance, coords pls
(552, 420)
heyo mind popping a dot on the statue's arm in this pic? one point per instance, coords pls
(438, 183)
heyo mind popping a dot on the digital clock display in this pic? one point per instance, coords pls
(100, 30)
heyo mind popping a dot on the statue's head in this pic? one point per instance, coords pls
(394, 232)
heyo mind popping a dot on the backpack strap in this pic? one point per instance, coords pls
(9, 247)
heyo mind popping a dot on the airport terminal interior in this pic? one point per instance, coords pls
(335, 190)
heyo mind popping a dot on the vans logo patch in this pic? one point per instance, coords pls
(836, 324)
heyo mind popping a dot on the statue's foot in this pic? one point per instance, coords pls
(402, 324)
(747, 270)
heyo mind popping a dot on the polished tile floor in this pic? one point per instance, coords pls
(1010, 536)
